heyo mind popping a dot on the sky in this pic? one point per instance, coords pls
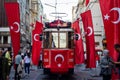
(63, 6)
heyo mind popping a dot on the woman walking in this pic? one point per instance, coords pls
(27, 61)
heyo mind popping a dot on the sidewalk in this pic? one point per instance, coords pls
(34, 73)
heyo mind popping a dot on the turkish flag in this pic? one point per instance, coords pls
(111, 17)
(90, 41)
(13, 16)
(87, 2)
(79, 51)
(37, 44)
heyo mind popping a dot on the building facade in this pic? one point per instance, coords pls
(30, 11)
(96, 18)
(4, 29)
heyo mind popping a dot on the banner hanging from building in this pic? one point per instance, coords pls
(90, 41)
(110, 10)
(79, 51)
(37, 44)
(13, 16)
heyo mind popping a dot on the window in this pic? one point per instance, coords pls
(63, 40)
(54, 40)
(59, 40)
(5, 39)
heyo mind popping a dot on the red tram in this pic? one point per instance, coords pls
(58, 48)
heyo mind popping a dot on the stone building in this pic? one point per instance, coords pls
(30, 11)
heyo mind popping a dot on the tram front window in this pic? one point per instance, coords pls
(54, 40)
(59, 40)
(63, 40)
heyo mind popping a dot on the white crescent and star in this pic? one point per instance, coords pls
(18, 27)
(91, 31)
(59, 55)
(35, 37)
(118, 10)
(106, 17)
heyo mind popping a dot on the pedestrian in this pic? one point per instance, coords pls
(117, 48)
(18, 62)
(27, 62)
(106, 65)
(4, 68)
(8, 56)
(97, 57)
(40, 66)
(22, 55)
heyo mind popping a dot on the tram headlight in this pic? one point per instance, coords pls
(46, 60)
(71, 60)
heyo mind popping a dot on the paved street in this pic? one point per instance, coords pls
(80, 74)
(34, 73)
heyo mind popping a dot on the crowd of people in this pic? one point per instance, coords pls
(20, 63)
(23, 60)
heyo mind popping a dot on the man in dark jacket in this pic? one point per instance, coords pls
(117, 48)
(4, 68)
(106, 65)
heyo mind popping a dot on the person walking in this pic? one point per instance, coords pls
(27, 61)
(4, 68)
(117, 63)
(18, 62)
(106, 64)
(40, 66)
(8, 56)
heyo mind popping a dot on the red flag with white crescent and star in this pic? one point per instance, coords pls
(79, 51)
(13, 17)
(90, 41)
(111, 17)
(36, 43)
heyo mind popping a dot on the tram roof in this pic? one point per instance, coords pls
(60, 29)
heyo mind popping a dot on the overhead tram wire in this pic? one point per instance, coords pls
(56, 8)
(63, 3)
